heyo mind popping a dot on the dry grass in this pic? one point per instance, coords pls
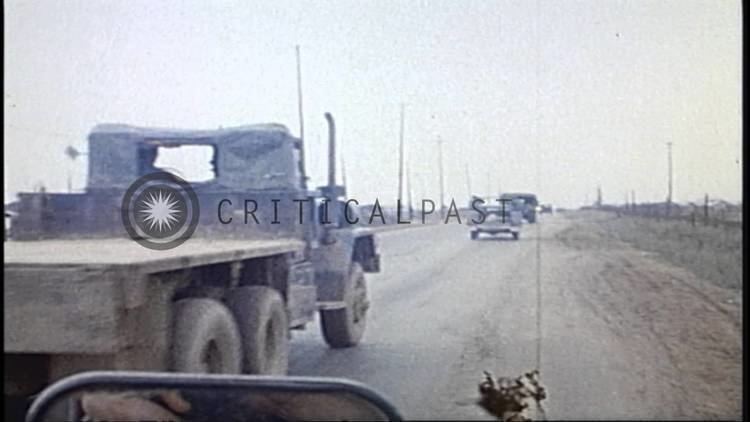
(714, 253)
(672, 293)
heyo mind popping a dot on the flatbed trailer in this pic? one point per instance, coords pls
(72, 305)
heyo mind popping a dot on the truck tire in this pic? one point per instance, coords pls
(474, 235)
(206, 338)
(344, 327)
(264, 329)
(516, 235)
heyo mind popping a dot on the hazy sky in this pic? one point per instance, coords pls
(588, 92)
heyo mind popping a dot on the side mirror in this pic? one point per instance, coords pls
(138, 396)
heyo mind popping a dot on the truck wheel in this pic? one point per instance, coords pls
(262, 320)
(344, 327)
(206, 338)
(516, 235)
(474, 235)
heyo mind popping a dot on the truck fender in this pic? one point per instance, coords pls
(333, 261)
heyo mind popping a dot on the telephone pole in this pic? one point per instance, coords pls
(669, 188)
(401, 159)
(408, 192)
(301, 121)
(440, 169)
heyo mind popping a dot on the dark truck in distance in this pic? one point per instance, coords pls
(529, 207)
(81, 295)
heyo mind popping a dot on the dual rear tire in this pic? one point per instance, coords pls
(247, 334)
(206, 338)
(249, 331)
(264, 329)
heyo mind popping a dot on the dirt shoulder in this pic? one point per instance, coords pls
(680, 327)
(712, 252)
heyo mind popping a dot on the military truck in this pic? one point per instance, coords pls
(82, 294)
(530, 204)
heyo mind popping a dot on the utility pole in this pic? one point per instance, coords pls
(401, 160)
(301, 121)
(598, 196)
(440, 169)
(669, 189)
(408, 193)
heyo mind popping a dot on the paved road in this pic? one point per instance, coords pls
(445, 308)
(625, 335)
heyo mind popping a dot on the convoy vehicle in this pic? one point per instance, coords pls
(530, 204)
(81, 294)
(502, 218)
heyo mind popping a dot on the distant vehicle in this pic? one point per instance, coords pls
(530, 202)
(545, 209)
(499, 219)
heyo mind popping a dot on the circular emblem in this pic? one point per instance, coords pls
(160, 211)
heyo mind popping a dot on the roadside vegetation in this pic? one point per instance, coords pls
(713, 253)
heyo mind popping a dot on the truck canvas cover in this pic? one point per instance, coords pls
(246, 157)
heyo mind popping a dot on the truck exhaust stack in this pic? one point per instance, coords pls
(331, 151)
